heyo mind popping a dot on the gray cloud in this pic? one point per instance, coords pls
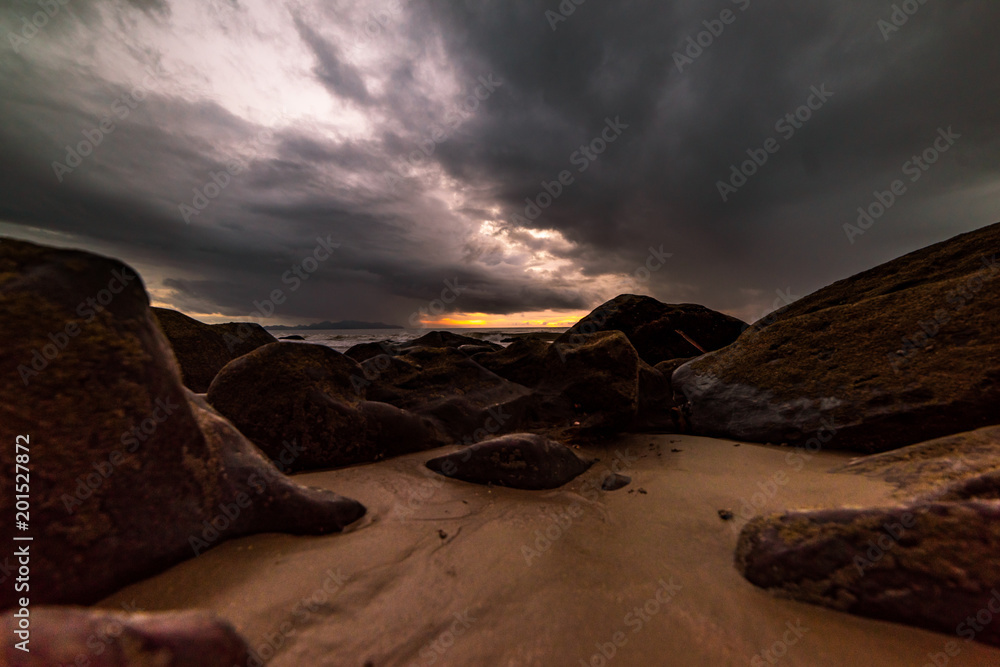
(364, 88)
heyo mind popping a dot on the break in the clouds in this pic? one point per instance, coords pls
(543, 156)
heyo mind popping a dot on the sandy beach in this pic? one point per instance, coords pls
(438, 572)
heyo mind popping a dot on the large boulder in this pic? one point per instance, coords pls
(657, 330)
(304, 406)
(931, 565)
(519, 460)
(520, 362)
(97, 638)
(464, 399)
(904, 352)
(199, 349)
(130, 474)
(203, 349)
(594, 379)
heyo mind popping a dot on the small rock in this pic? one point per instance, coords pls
(726, 515)
(615, 481)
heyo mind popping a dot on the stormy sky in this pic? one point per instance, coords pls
(211, 144)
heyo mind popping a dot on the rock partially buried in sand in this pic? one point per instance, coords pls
(519, 461)
(896, 355)
(932, 565)
(64, 635)
(657, 330)
(304, 406)
(615, 481)
(131, 473)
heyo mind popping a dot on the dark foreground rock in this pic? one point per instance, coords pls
(931, 565)
(520, 362)
(520, 461)
(657, 330)
(448, 339)
(893, 356)
(65, 635)
(203, 349)
(132, 474)
(304, 406)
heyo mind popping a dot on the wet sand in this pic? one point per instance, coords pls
(438, 573)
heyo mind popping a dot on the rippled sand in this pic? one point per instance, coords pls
(438, 572)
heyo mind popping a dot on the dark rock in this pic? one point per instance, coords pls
(615, 481)
(926, 468)
(130, 465)
(520, 461)
(596, 376)
(853, 363)
(292, 337)
(464, 399)
(203, 349)
(448, 339)
(520, 362)
(243, 337)
(62, 635)
(365, 351)
(930, 565)
(200, 350)
(655, 400)
(660, 331)
(471, 350)
(311, 398)
(726, 515)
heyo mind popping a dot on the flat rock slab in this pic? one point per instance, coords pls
(933, 566)
(520, 461)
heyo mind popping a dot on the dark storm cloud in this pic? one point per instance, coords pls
(688, 122)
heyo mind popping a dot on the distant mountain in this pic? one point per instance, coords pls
(346, 324)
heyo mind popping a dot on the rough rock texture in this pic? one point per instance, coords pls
(930, 565)
(203, 349)
(660, 331)
(199, 349)
(904, 352)
(77, 636)
(445, 385)
(127, 467)
(243, 337)
(932, 466)
(448, 339)
(595, 376)
(304, 406)
(520, 362)
(520, 461)
(365, 351)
